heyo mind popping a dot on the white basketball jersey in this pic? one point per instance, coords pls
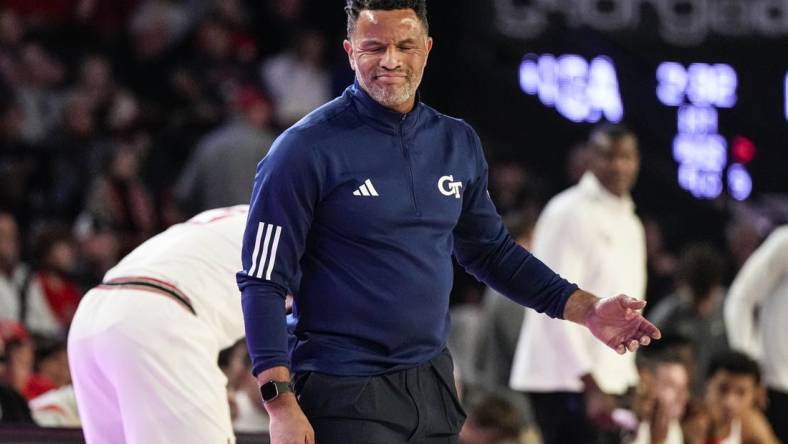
(200, 257)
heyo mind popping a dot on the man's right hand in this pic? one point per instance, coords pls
(288, 424)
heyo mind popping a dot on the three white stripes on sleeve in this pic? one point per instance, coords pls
(265, 258)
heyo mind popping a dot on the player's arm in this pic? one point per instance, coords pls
(756, 428)
(754, 283)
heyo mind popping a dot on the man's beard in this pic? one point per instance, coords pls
(393, 95)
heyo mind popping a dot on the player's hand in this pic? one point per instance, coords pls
(659, 423)
(288, 424)
(696, 424)
(618, 323)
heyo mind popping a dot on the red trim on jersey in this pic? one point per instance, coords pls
(152, 285)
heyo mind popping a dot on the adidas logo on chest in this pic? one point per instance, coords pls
(366, 189)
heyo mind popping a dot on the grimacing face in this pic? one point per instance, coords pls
(388, 51)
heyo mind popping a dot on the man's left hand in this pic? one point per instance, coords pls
(618, 323)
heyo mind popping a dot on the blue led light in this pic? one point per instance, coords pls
(579, 90)
(739, 182)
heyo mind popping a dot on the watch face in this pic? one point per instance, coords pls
(269, 391)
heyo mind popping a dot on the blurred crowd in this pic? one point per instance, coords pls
(714, 377)
(118, 119)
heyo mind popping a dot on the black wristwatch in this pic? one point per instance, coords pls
(272, 389)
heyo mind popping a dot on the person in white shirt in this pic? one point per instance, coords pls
(56, 408)
(144, 344)
(590, 235)
(298, 79)
(762, 286)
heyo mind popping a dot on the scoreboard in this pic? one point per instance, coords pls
(707, 163)
(705, 87)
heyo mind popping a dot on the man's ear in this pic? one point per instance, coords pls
(429, 48)
(349, 50)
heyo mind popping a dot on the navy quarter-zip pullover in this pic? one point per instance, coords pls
(356, 211)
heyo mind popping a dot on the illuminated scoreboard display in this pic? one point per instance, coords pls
(704, 86)
(588, 91)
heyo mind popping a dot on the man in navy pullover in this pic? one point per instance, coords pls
(357, 210)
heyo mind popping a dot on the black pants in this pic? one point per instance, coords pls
(561, 417)
(778, 414)
(417, 405)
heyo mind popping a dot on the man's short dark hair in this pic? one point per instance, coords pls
(611, 131)
(671, 349)
(701, 269)
(354, 7)
(736, 363)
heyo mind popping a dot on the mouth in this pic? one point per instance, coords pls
(390, 77)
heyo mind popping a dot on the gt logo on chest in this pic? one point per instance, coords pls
(448, 187)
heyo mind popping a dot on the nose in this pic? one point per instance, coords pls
(619, 163)
(390, 59)
(731, 403)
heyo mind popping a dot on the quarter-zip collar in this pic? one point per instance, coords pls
(380, 117)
